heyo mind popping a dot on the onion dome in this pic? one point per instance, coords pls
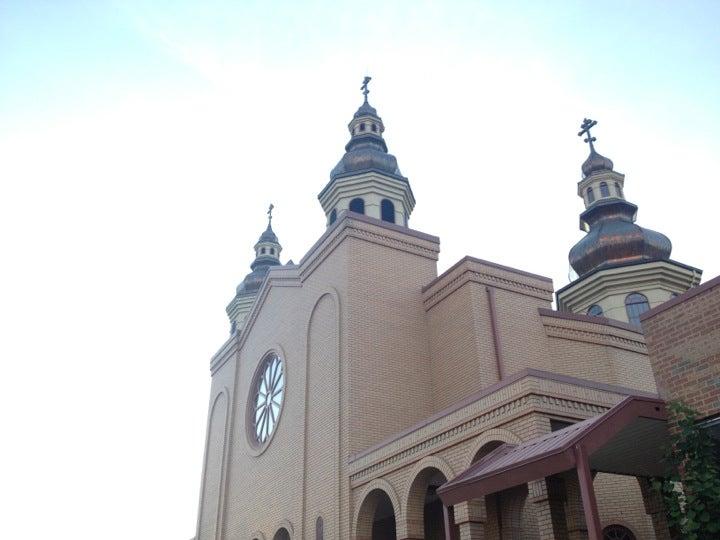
(267, 254)
(366, 150)
(614, 239)
(596, 163)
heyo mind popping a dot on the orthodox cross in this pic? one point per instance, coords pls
(585, 129)
(269, 213)
(364, 87)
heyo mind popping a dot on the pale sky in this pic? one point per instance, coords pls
(141, 142)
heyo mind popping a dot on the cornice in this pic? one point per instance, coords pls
(526, 392)
(469, 269)
(225, 353)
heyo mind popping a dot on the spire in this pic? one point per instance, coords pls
(595, 162)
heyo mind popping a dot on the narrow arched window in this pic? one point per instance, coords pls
(333, 216)
(262, 250)
(387, 211)
(635, 305)
(357, 205)
(362, 126)
(374, 128)
(272, 251)
(590, 195)
(618, 189)
(595, 311)
(604, 189)
(319, 533)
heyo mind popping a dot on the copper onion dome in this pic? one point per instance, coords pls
(613, 238)
(366, 150)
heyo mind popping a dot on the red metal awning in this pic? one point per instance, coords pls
(628, 439)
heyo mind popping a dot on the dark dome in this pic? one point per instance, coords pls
(366, 110)
(254, 279)
(365, 153)
(614, 239)
(268, 235)
(595, 163)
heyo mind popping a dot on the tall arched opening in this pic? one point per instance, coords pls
(376, 519)
(424, 507)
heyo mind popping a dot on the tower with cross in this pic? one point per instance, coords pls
(367, 179)
(618, 263)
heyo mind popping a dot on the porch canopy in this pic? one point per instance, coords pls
(630, 439)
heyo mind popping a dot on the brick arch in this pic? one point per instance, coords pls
(366, 508)
(416, 490)
(284, 524)
(491, 435)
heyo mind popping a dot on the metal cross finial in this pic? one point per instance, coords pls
(585, 129)
(269, 213)
(364, 87)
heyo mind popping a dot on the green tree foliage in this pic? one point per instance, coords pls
(691, 491)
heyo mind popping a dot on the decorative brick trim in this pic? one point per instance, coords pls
(447, 284)
(588, 336)
(476, 425)
(544, 312)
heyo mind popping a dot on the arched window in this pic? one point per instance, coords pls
(282, 534)
(387, 211)
(636, 304)
(333, 216)
(272, 251)
(590, 195)
(362, 126)
(262, 250)
(617, 532)
(595, 311)
(618, 189)
(604, 189)
(357, 205)
(319, 533)
(374, 128)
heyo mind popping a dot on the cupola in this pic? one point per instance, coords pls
(367, 179)
(613, 237)
(267, 255)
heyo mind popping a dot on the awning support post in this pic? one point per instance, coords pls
(449, 523)
(587, 493)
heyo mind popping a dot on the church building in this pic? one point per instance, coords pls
(363, 396)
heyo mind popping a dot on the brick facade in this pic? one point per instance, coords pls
(683, 340)
(397, 379)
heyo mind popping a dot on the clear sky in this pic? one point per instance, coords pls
(141, 142)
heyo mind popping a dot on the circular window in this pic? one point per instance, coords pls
(617, 532)
(266, 399)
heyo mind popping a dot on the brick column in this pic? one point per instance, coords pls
(546, 496)
(470, 516)
(574, 514)
(655, 508)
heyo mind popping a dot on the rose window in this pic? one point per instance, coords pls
(267, 398)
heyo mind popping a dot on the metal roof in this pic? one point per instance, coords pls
(627, 439)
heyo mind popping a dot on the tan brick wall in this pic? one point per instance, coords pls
(371, 351)
(683, 339)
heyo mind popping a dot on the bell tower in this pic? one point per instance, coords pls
(367, 180)
(623, 269)
(267, 254)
